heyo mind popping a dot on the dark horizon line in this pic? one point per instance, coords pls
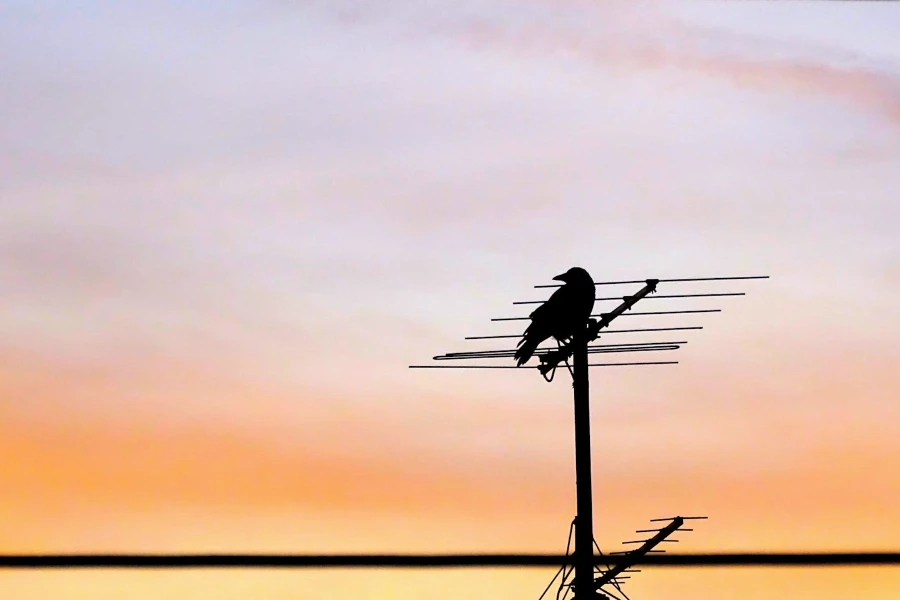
(196, 561)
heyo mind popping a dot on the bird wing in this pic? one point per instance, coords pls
(546, 321)
(543, 317)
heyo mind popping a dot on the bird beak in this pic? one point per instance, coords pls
(560, 277)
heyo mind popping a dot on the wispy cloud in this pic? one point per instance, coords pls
(653, 36)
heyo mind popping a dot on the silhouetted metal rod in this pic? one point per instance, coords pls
(598, 349)
(628, 314)
(346, 561)
(665, 312)
(553, 285)
(661, 296)
(526, 368)
(551, 348)
(584, 517)
(594, 349)
(519, 335)
(667, 296)
(510, 354)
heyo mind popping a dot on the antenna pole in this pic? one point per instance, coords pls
(584, 520)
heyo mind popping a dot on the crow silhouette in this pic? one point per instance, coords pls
(561, 315)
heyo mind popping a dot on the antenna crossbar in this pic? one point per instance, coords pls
(680, 280)
(595, 349)
(630, 314)
(641, 330)
(657, 297)
(526, 368)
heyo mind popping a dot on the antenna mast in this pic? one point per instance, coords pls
(584, 517)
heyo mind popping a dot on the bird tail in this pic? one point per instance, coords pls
(525, 351)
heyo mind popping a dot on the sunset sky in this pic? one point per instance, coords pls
(227, 228)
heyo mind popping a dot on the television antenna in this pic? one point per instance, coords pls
(587, 579)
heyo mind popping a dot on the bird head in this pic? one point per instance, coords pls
(575, 274)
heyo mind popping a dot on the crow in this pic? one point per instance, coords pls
(561, 315)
